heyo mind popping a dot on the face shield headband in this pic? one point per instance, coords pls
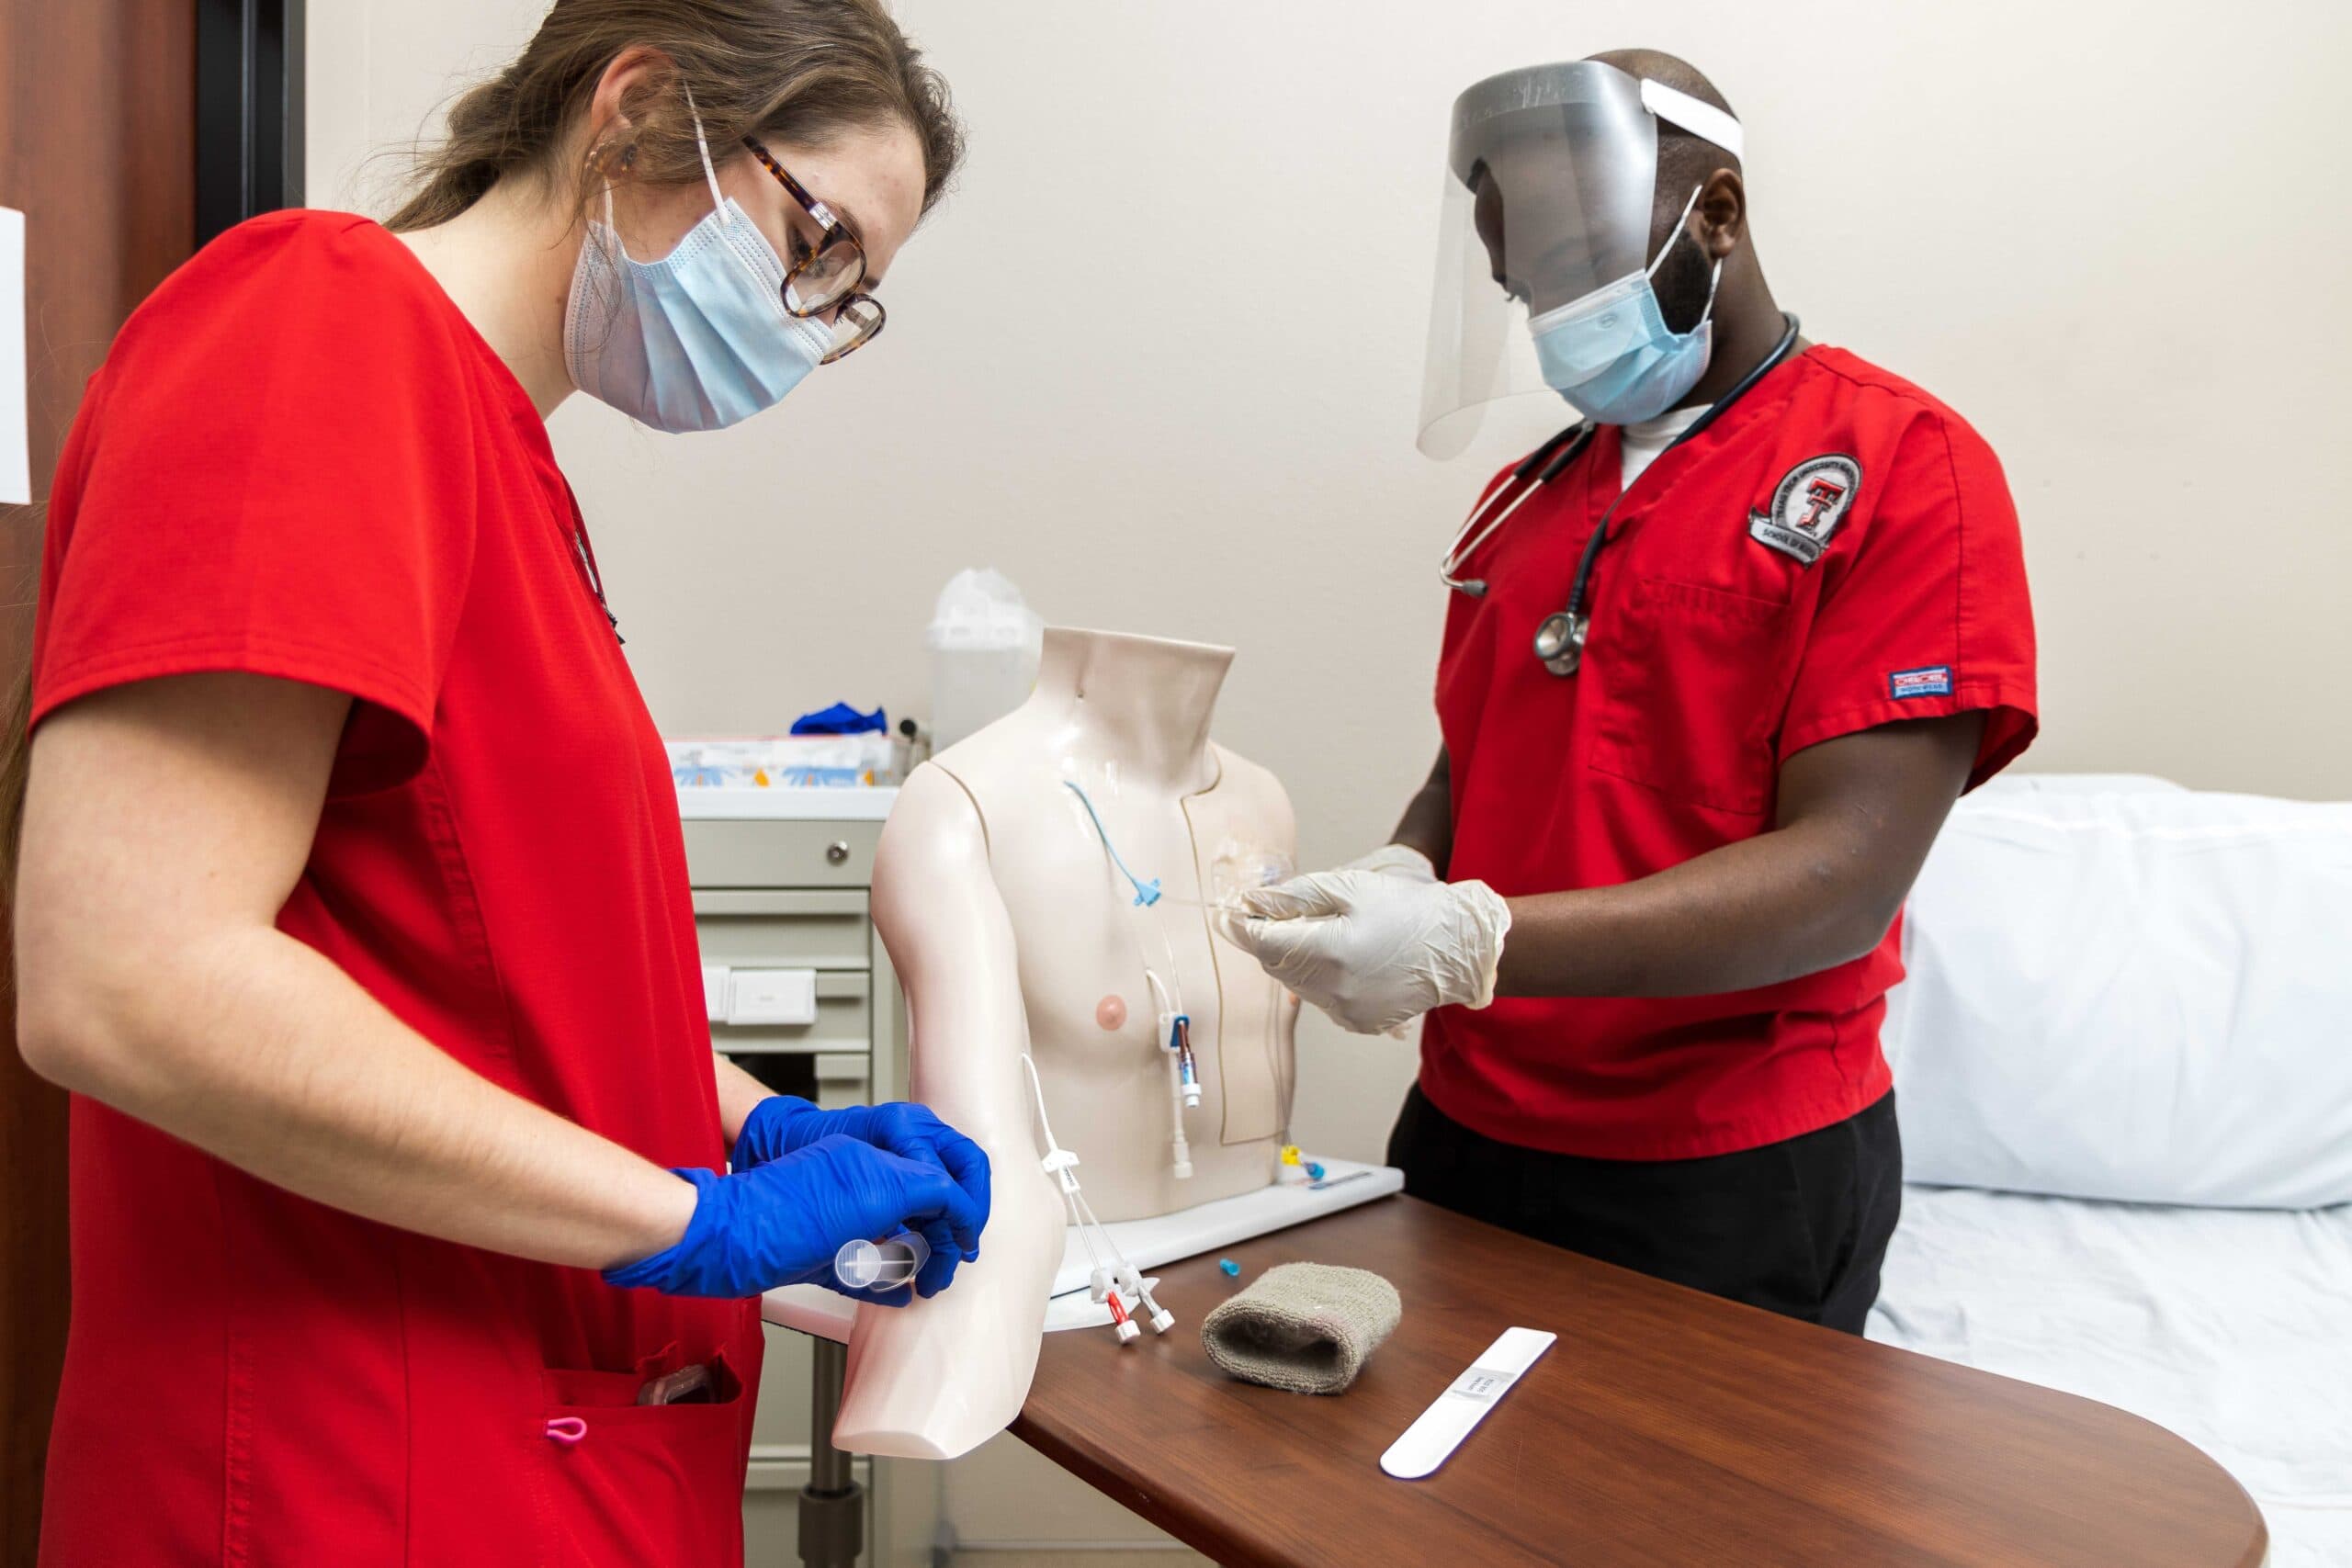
(1551, 182)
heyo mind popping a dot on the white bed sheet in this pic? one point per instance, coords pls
(2229, 1326)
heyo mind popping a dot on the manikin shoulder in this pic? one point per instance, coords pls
(1253, 790)
(1002, 761)
(934, 829)
(1238, 772)
(963, 784)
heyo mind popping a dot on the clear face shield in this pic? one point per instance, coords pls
(1551, 177)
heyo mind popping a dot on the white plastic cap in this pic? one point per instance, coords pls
(1162, 1320)
(1128, 1332)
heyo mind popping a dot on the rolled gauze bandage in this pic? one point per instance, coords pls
(1302, 1327)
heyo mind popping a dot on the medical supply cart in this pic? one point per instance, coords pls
(802, 996)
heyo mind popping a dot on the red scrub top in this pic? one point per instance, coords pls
(299, 460)
(1837, 550)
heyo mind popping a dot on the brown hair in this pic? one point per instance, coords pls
(796, 71)
(799, 70)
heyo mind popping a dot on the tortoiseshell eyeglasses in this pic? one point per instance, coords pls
(821, 284)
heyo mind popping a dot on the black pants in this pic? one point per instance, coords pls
(1798, 1227)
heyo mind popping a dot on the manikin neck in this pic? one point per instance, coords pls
(1138, 704)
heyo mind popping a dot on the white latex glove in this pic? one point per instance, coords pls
(1373, 949)
(1395, 860)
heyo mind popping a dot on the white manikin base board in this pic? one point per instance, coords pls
(1188, 1233)
(812, 1309)
(1164, 1238)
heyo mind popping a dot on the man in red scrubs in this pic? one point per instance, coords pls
(1717, 662)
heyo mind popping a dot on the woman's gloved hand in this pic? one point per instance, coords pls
(1373, 948)
(782, 1124)
(780, 1224)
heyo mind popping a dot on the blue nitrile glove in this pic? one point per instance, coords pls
(781, 1223)
(782, 1122)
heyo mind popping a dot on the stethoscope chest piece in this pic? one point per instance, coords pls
(1559, 641)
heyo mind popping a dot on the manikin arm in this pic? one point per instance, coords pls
(932, 1380)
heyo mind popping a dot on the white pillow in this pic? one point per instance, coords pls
(2131, 993)
(2079, 784)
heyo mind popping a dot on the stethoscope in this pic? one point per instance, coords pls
(1559, 641)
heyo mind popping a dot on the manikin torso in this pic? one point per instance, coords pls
(1013, 930)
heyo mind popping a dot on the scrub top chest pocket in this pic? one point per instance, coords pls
(1693, 680)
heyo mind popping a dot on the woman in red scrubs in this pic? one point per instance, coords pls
(352, 904)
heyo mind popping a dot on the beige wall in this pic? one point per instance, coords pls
(2104, 231)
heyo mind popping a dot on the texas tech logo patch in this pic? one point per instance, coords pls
(1807, 505)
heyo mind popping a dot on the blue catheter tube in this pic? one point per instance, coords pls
(1147, 893)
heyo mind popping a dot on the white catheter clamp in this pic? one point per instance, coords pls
(1131, 1281)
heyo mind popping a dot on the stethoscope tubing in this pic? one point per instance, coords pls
(1560, 637)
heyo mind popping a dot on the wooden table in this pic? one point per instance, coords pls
(1665, 1427)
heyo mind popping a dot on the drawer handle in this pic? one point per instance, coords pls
(837, 852)
(773, 997)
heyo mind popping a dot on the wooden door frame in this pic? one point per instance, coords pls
(103, 147)
(248, 110)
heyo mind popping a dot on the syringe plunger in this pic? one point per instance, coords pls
(881, 1265)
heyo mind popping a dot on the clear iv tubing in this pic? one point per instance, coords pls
(881, 1265)
(1183, 1088)
(1106, 1283)
(1068, 1187)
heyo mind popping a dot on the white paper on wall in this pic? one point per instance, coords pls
(16, 461)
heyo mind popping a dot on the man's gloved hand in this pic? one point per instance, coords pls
(1395, 860)
(781, 1123)
(1374, 948)
(780, 1224)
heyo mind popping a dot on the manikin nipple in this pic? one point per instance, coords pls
(1111, 1014)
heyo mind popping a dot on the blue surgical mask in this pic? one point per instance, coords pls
(1608, 351)
(699, 340)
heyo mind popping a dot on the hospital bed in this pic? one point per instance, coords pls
(2123, 1068)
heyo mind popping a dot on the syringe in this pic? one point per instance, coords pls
(881, 1265)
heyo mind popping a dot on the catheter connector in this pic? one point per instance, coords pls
(1132, 1281)
(1187, 1071)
